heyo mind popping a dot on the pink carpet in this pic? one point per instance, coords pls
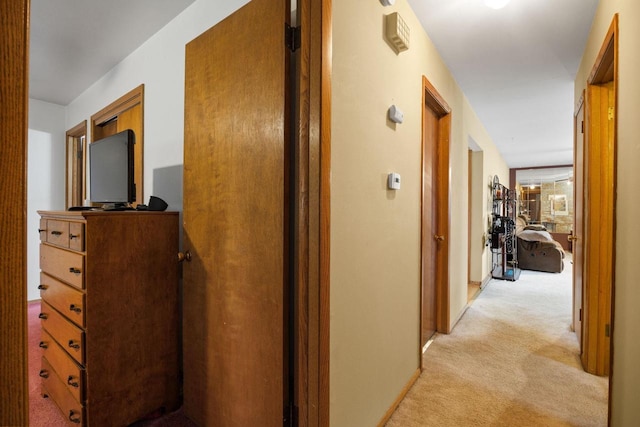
(44, 412)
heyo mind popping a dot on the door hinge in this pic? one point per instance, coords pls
(582, 126)
(292, 37)
(610, 113)
(290, 418)
(580, 315)
(607, 330)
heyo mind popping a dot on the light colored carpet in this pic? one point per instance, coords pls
(512, 360)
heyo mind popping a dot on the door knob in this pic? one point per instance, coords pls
(184, 256)
(438, 238)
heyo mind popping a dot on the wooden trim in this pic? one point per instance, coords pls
(77, 131)
(605, 66)
(434, 100)
(126, 101)
(325, 213)
(396, 403)
(14, 114)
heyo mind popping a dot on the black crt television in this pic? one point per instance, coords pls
(111, 167)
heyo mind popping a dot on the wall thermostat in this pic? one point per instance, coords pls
(395, 114)
(393, 181)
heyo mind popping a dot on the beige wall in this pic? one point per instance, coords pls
(375, 232)
(626, 354)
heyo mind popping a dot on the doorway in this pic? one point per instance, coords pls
(436, 130)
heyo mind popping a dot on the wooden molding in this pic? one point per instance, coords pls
(126, 101)
(77, 131)
(605, 66)
(396, 403)
(14, 113)
(325, 211)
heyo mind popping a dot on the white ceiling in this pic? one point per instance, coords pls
(516, 66)
(74, 43)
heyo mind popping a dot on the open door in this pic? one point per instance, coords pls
(235, 220)
(599, 207)
(436, 129)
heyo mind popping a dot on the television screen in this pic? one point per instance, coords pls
(111, 169)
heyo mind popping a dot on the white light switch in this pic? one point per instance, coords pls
(393, 181)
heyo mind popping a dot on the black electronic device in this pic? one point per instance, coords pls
(157, 204)
(83, 208)
(111, 171)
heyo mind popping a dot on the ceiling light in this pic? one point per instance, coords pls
(496, 4)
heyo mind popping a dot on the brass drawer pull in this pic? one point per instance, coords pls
(72, 383)
(42, 287)
(74, 344)
(75, 308)
(40, 230)
(73, 417)
(73, 236)
(57, 233)
(44, 373)
(74, 270)
(43, 316)
(43, 345)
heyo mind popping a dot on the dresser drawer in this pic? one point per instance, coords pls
(58, 233)
(68, 335)
(62, 264)
(69, 372)
(76, 236)
(53, 387)
(66, 299)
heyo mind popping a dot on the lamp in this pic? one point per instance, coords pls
(496, 4)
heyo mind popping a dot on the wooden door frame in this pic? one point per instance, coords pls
(14, 114)
(432, 100)
(599, 221)
(312, 232)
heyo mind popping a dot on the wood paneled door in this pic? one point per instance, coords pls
(436, 129)
(236, 220)
(599, 207)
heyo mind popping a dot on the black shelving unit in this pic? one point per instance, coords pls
(504, 255)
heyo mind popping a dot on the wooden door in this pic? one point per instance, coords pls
(429, 225)
(436, 130)
(599, 206)
(599, 228)
(234, 220)
(577, 237)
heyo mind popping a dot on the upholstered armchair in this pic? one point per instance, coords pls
(536, 248)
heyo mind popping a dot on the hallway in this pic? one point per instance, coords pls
(511, 360)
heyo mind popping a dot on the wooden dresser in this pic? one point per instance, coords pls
(110, 319)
